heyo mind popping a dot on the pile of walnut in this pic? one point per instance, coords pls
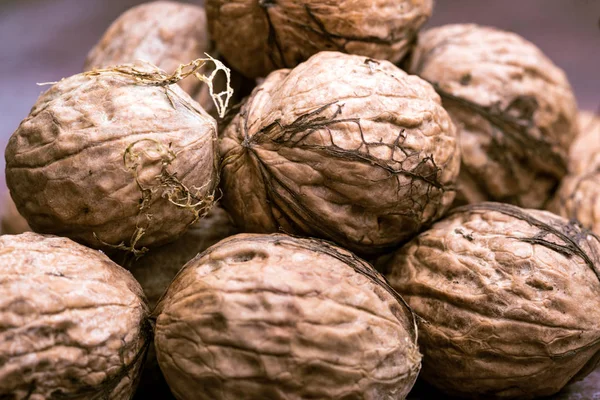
(241, 220)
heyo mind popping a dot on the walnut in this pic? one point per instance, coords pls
(341, 147)
(277, 317)
(259, 36)
(508, 299)
(514, 109)
(112, 159)
(11, 222)
(578, 196)
(73, 324)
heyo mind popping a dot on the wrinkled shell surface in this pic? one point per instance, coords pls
(275, 317)
(155, 270)
(11, 222)
(72, 323)
(341, 147)
(514, 109)
(259, 36)
(509, 300)
(579, 194)
(101, 157)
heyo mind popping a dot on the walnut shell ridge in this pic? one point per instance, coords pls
(73, 324)
(342, 147)
(508, 300)
(277, 317)
(108, 159)
(259, 36)
(515, 111)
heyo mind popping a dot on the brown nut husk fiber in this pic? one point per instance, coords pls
(277, 317)
(341, 147)
(73, 324)
(260, 36)
(11, 222)
(578, 196)
(508, 300)
(114, 158)
(514, 109)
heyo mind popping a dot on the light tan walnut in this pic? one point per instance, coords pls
(73, 324)
(277, 317)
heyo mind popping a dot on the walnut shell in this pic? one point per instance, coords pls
(110, 159)
(259, 36)
(341, 147)
(508, 299)
(73, 324)
(11, 222)
(155, 270)
(277, 317)
(578, 196)
(514, 109)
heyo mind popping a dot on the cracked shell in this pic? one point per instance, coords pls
(341, 147)
(514, 109)
(578, 196)
(109, 159)
(73, 324)
(259, 36)
(277, 317)
(508, 301)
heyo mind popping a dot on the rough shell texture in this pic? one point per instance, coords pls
(259, 36)
(103, 157)
(276, 317)
(11, 222)
(164, 33)
(514, 110)
(509, 300)
(155, 270)
(72, 323)
(341, 147)
(578, 196)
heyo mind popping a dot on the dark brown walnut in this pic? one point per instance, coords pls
(73, 324)
(578, 196)
(259, 36)
(514, 109)
(113, 159)
(277, 317)
(11, 222)
(341, 147)
(508, 301)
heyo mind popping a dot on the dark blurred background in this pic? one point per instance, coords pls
(45, 40)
